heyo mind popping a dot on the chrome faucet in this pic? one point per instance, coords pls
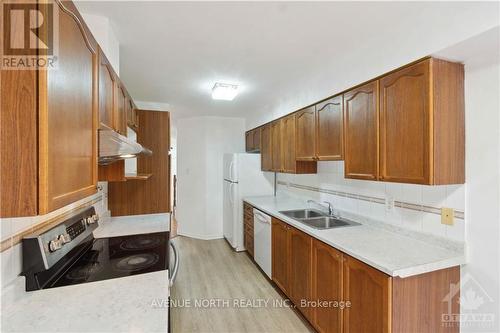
(331, 210)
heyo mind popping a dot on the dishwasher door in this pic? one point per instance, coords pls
(262, 240)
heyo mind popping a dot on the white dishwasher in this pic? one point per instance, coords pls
(262, 240)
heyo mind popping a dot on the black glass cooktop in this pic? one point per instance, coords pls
(108, 258)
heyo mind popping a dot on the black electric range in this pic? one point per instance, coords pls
(68, 254)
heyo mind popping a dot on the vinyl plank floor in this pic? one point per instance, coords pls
(212, 271)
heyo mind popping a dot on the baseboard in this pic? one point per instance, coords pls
(203, 237)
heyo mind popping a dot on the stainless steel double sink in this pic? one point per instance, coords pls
(317, 219)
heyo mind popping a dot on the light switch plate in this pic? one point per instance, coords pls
(447, 215)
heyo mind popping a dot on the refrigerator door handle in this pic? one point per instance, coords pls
(231, 175)
(176, 264)
(231, 199)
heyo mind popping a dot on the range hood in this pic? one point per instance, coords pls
(114, 147)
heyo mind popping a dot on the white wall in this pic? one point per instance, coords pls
(201, 143)
(482, 93)
(103, 33)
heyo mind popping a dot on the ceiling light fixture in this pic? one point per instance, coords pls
(224, 91)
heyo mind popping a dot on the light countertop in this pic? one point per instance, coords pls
(136, 303)
(394, 252)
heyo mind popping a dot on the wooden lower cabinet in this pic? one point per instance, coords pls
(360, 298)
(326, 287)
(300, 252)
(369, 292)
(248, 228)
(280, 254)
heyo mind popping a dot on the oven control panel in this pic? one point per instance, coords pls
(76, 228)
(52, 244)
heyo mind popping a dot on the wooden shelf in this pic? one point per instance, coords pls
(137, 176)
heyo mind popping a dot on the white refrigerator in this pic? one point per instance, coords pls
(242, 178)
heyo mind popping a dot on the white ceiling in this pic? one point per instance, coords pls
(173, 52)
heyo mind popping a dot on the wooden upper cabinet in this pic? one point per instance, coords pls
(422, 124)
(106, 91)
(276, 143)
(329, 130)
(120, 116)
(306, 134)
(266, 148)
(326, 287)
(130, 111)
(252, 141)
(288, 146)
(280, 254)
(369, 292)
(68, 117)
(256, 139)
(404, 125)
(361, 132)
(248, 141)
(300, 279)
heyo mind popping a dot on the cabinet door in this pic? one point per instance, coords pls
(369, 292)
(280, 254)
(68, 117)
(361, 132)
(120, 116)
(248, 141)
(306, 134)
(329, 130)
(106, 91)
(129, 112)
(300, 270)
(405, 125)
(288, 128)
(266, 148)
(276, 141)
(256, 139)
(326, 287)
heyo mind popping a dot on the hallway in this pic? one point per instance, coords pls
(210, 270)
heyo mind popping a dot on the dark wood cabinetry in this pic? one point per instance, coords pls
(329, 130)
(300, 267)
(49, 125)
(107, 83)
(306, 134)
(422, 124)
(146, 195)
(405, 126)
(319, 132)
(248, 228)
(280, 254)
(354, 296)
(288, 144)
(120, 123)
(361, 132)
(282, 148)
(276, 147)
(266, 148)
(326, 287)
(252, 141)
(370, 294)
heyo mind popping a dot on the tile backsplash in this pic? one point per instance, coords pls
(416, 207)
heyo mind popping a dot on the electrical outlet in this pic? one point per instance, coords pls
(389, 203)
(447, 215)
